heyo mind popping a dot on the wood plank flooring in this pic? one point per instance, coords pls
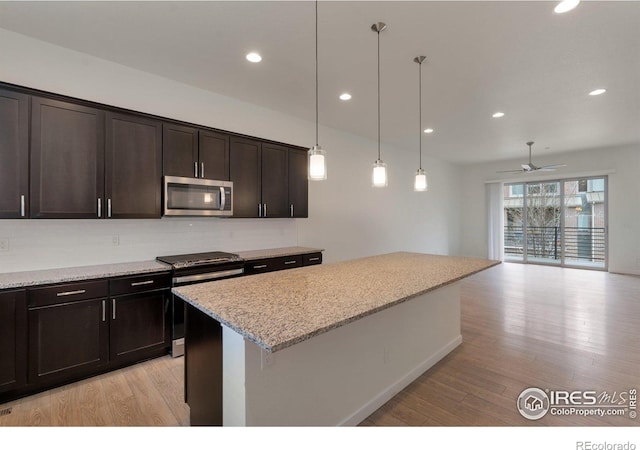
(522, 325)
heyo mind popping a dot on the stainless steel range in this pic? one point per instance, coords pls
(196, 268)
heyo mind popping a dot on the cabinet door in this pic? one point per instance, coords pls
(67, 340)
(179, 150)
(13, 340)
(14, 154)
(67, 159)
(298, 184)
(244, 171)
(214, 155)
(133, 167)
(275, 175)
(139, 325)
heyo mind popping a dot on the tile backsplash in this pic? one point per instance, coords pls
(46, 244)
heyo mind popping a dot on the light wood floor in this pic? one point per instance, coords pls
(522, 325)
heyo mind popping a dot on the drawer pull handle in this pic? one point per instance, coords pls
(104, 311)
(141, 283)
(314, 259)
(63, 294)
(113, 306)
(290, 262)
(261, 266)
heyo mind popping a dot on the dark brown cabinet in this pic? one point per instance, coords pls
(14, 155)
(256, 266)
(298, 183)
(245, 172)
(139, 317)
(274, 165)
(13, 340)
(68, 330)
(133, 167)
(193, 152)
(67, 159)
(259, 172)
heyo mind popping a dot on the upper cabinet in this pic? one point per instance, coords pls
(274, 165)
(63, 158)
(67, 160)
(245, 172)
(14, 155)
(269, 180)
(193, 152)
(133, 172)
(298, 183)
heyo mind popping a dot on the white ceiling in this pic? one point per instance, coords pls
(517, 57)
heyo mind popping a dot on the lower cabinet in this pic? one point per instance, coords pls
(281, 263)
(67, 340)
(139, 322)
(13, 340)
(56, 334)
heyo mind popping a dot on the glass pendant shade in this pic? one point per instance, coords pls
(317, 164)
(420, 183)
(379, 175)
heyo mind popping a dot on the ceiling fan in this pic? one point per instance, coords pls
(530, 167)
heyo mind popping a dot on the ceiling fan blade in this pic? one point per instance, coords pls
(510, 171)
(553, 167)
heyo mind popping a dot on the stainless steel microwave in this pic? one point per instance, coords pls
(197, 197)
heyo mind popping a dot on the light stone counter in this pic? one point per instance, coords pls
(276, 252)
(49, 276)
(279, 309)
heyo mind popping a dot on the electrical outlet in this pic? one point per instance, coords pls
(4, 244)
(115, 240)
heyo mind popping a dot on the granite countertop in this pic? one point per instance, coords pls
(278, 309)
(50, 276)
(275, 252)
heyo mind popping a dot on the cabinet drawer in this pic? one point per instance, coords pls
(139, 283)
(311, 259)
(271, 264)
(68, 292)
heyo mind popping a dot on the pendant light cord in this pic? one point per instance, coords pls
(316, 73)
(379, 94)
(420, 109)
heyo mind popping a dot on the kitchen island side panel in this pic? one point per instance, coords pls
(344, 375)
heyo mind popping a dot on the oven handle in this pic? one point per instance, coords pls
(206, 276)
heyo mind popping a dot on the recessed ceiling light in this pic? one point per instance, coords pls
(345, 96)
(254, 57)
(597, 92)
(428, 130)
(565, 5)
(498, 114)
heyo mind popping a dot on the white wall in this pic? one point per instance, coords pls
(624, 193)
(347, 216)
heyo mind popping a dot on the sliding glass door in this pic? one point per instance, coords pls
(559, 222)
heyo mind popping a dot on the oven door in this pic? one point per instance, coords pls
(197, 197)
(185, 277)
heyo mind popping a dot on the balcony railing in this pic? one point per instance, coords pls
(580, 244)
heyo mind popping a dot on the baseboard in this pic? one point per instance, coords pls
(383, 397)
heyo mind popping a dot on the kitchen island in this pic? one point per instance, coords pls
(320, 345)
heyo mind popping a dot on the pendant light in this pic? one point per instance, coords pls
(379, 175)
(317, 156)
(420, 184)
